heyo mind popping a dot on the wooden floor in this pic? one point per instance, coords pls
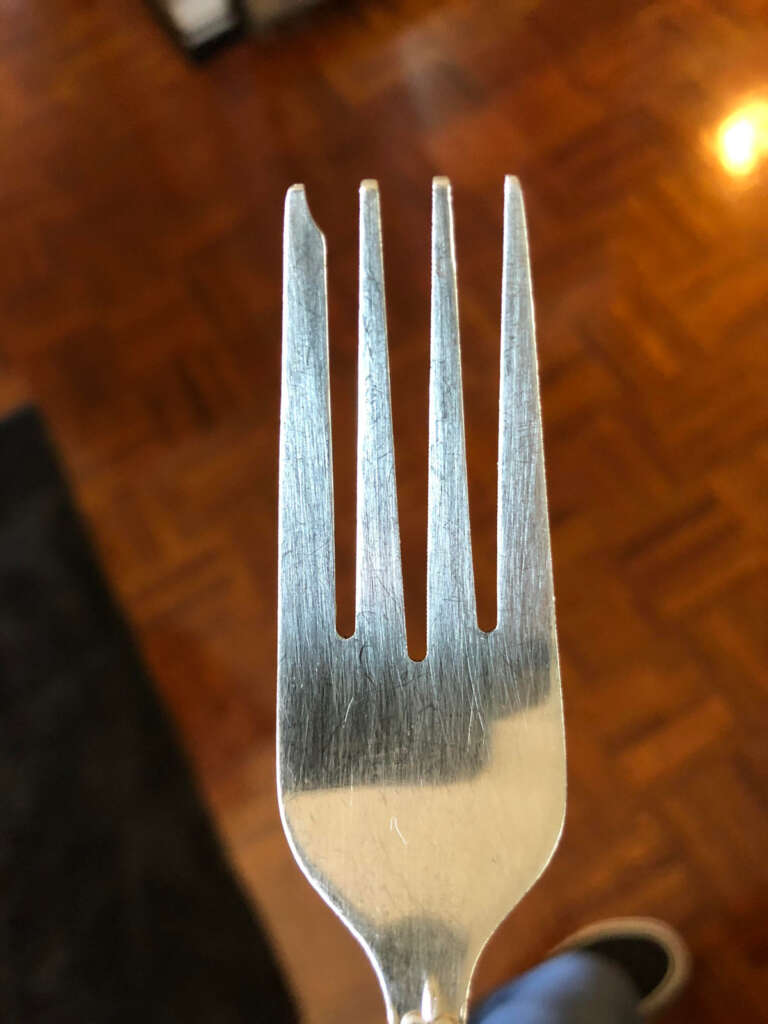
(140, 306)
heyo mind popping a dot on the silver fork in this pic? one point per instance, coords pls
(421, 799)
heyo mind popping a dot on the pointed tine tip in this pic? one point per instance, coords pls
(512, 184)
(514, 203)
(442, 200)
(369, 201)
(515, 229)
(442, 224)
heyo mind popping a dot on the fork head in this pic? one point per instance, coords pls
(421, 799)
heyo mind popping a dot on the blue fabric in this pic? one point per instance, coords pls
(573, 988)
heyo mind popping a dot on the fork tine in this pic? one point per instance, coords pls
(450, 578)
(524, 572)
(306, 589)
(379, 585)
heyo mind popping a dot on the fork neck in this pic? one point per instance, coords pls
(431, 1000)
(413, 1017)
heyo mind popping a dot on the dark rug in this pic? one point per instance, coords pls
(116, 902)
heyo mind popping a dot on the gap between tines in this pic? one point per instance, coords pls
(408, 322)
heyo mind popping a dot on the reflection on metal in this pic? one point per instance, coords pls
(742, 138)
(421, 799)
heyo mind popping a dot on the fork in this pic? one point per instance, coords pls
(421, 799)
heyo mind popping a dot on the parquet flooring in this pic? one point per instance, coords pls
(140, 299)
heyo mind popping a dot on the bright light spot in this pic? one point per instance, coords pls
(742, 138)
(739, 144)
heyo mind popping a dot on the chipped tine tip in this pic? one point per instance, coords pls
(369, 185)
(296, 199)
(297, 211)
(296, 193)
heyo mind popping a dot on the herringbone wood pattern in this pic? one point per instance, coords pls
(140, 284)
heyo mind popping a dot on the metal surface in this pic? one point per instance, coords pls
(421, 799)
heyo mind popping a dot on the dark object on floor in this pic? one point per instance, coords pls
(264, 14)
(199, 26)
(651, 952)
(117, 903)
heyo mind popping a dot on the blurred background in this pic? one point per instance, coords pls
(140, 285)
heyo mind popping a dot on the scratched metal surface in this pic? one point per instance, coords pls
(421, 799)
